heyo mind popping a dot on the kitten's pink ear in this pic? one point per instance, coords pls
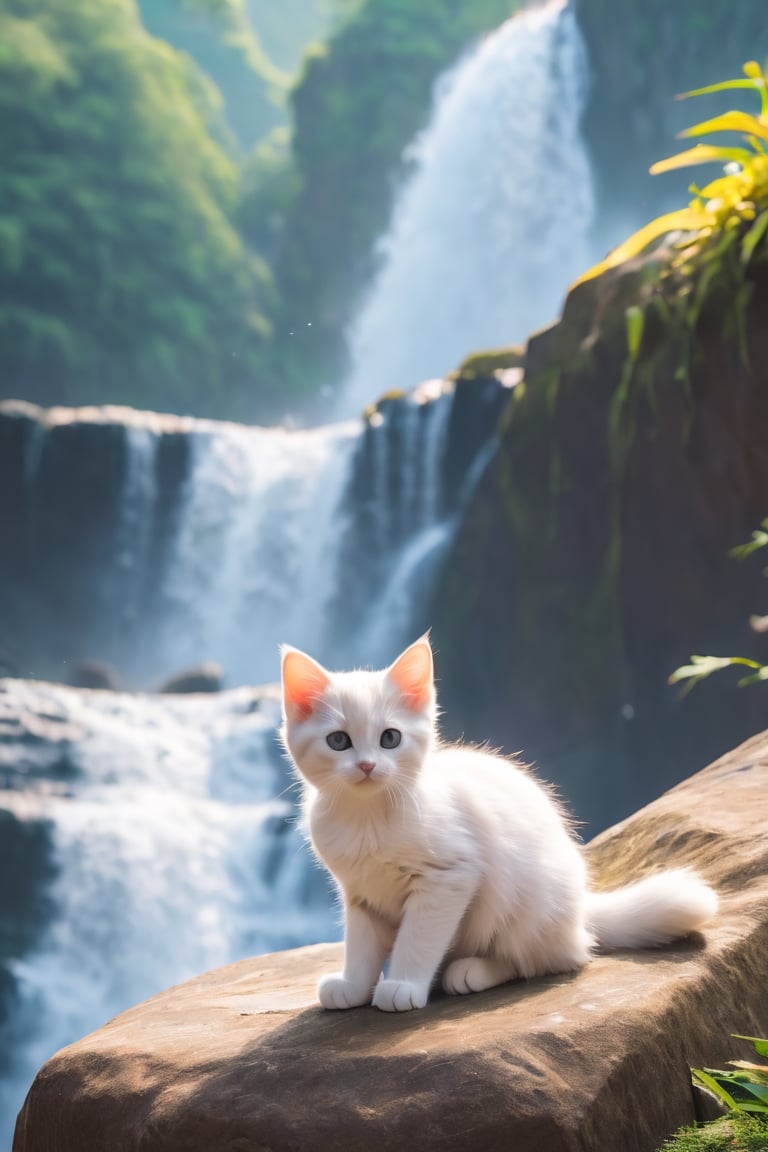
(413, 675)
(304, 681)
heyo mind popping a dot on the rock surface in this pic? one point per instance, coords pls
(244, 1059)
(205, 677)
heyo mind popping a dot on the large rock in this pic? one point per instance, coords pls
(243, 1058)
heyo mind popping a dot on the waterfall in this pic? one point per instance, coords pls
(400, 525)
(134, 529)
(494, 221)
(417, 467)
(174, 848)
(252, 560)
(152, 544)
(170, 822)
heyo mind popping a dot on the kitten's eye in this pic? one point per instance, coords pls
(390, 738)
(338, 741)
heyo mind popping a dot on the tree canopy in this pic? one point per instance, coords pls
(122, 275)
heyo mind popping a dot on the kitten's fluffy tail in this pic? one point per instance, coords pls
(653, 911)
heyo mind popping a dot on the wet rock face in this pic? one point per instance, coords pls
(63, 480)
(206, 677)
(141, 542)
(243, 1056)
(26, 869)
(414, 469)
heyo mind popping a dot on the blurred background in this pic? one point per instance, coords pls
(282, 360)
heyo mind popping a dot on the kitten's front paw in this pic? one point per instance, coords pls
(399, 995)
(337, 992)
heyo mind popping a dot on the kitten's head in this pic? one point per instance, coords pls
(359, 732)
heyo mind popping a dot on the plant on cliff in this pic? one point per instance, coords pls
(702, 666)
(743, 1090)
(724, 205)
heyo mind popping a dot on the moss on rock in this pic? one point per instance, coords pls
(484, 365)
(735, 1133)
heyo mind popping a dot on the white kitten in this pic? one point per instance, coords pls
(448, 858)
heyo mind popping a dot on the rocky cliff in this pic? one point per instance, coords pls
(243, 1057)
(64, 481)
(594, 558)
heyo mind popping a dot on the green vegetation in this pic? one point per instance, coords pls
(182, 228)
(743, 1089)
(724, 204)
(137, 233)
(735, 1133)
(223, 43)
(286, 28)
(484, 364)
(638, 63)
(122, 275)
(702, 666)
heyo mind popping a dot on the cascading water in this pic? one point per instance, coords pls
(219, 542)
(495, 220)
(174, 848)
(252, 563)
(169, 822)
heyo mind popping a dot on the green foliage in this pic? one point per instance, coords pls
(742, 1090)
(759, 540)
(286, 29)
(270, 185)
(734, 1133)
(485, 364)
(703, 666)
(219, 37)
(122, 275)
(725, 203)
(637, 64)
(635, 321)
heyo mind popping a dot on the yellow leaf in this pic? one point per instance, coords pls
(755, 84)
(728, 189)
(730, 122)
(690, 219)
(701, 154)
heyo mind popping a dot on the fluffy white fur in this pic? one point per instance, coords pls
(449, 859)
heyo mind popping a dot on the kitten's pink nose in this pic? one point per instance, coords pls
(366, 766)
